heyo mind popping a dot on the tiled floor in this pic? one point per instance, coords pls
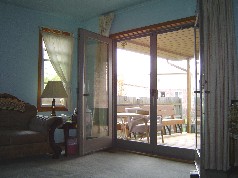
(184, 140)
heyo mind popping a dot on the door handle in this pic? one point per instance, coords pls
(154, 92)
(86, 94)
(207, 92)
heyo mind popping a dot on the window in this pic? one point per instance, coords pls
(178, 94)
(46, 71)
(162, 94)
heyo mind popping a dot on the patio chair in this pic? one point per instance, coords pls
(160, 127)
(140, 125)
(123, 122)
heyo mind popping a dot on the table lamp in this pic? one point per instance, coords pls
(54, 89)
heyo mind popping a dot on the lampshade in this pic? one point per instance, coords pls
(54, 89)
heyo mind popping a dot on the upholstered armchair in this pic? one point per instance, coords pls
(23, 132)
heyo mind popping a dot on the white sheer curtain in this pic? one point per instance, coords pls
(220, 65)
(60, 48)
(101, 65)
(105, 23)
(101, 77)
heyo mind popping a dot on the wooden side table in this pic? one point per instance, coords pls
(55, 147)
(66, 127)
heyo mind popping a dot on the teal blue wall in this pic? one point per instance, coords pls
(19, 39)
(19, 34)
(19, 44)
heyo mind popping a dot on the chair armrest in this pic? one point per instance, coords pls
(44, 123)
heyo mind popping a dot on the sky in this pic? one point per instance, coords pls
(134, 69)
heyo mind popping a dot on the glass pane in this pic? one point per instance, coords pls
(171, 102)
(48, 101)
(96, 89)
(50, 75)
(175, 84)
(199, 97)
(133, 91)
(45, 54)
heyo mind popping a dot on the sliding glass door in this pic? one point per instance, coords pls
(133, 92)
(155, 83)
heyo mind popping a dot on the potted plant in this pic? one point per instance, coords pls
(233, 120)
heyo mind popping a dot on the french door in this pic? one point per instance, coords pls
(199, 100)
(95, 92)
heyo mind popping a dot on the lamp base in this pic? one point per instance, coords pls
(53, 108)
(53, 114)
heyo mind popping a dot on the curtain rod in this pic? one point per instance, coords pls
(55, 31)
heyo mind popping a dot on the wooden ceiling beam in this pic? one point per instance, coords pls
(160, 28)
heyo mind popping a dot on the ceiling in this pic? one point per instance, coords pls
(81, 9)
(176, 39)
(175, 45)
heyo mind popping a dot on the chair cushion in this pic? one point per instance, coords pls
(140, 128)
(12, 104)
(20, 137)
(16, 120)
